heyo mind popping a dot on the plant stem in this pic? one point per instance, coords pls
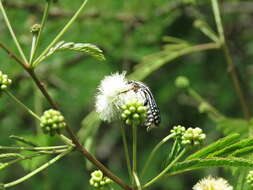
(73, 137)
(33, 148)
(44, 166)
(7, 22)
(13, 55)
(231, 66)
(200, 100)
(22, 105)
(60, 34)
(43, 22)
(123, 134)
(137, 181)
(155, 179)
(134, 149)
(5, 165)
(152, 154)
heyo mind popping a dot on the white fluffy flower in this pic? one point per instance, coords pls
(114, 91)
(211, 183)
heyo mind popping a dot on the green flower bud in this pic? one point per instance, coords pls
(35, 28)
(182, 82)
(4, 81)
(178, 131)
(98, 180)
(134, 112)
(52, 122)
(97, 176)
(203, 107)
(193, 136)
(249, 178)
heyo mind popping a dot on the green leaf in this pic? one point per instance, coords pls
(242, 152)
(220, 144)
(232, 148)
(154, 61)
(85, 48)
(190, 165)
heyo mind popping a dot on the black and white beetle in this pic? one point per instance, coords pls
(153, 113)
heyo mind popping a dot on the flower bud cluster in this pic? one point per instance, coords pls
(134, 113)
(98, 180)
(249, 178)
(190, 136)
(4, 81)
(178, 131)
(52, 122)
(193, 136)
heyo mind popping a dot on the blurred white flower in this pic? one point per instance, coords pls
(211, 183)
(113, 92)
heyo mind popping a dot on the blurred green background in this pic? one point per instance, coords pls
(126, 31)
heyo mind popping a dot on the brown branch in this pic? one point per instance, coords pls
(79, 146)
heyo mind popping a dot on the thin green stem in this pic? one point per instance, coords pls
(43, 22)
(38, 107)
(66, 140)
(137, 181)
(152, 154)
(200, 100)
(134, 148)
(34, 39)
(123, 134)
(160, 175)
(23, 140)
(206, 29)
(44, 166)
(22, 105)
(231, 66)
(65, 28)
(33, 148)
(7, 22)
(10, 163)
(218, 22)
(174, 151)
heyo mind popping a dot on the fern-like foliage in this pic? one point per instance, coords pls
(194, 164)
(86, 48)
(226, 152)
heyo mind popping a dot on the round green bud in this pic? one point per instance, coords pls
(128, 122)
(127, 112)
(193, 136)
(124, 107)
(141, 109)
(136, 116)
(97, 175)
(203, 107)
(52, 122)
(182, 82)
(35, 28)
(134, 112)
(98, 180)
(5, 82)
(132, 109)
(123, 116)
(178, 131)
